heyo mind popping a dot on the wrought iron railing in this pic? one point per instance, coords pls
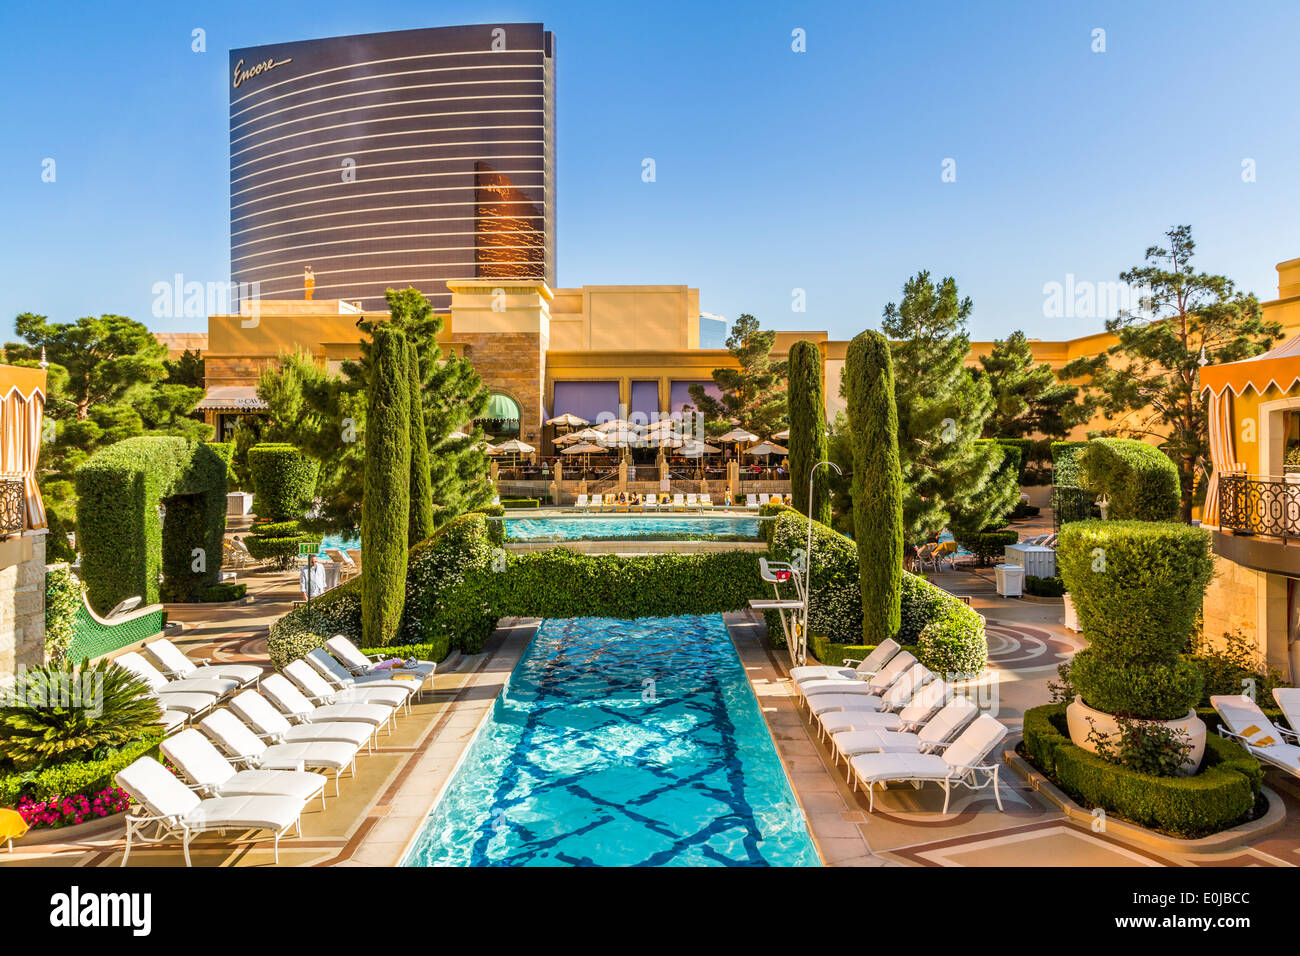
(1257, 504)
(13, 506)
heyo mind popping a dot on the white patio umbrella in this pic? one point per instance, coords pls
(737, 436)
(458, 435)
(585, 448)
(696, 449)
(515, 447)
(586, 434)
(782, 436)
(613, 425)
(767, 448)
(567, 421)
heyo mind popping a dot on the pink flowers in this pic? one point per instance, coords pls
(78, 808)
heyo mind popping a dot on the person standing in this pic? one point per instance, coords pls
(311, 580)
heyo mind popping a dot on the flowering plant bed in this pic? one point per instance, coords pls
(67, 811)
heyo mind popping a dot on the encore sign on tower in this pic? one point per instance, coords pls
(240, 74)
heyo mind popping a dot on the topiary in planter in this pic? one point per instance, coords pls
(1137, 587)
(1139, 479)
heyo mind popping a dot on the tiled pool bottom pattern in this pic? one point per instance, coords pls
(621, 743)
(622, 527)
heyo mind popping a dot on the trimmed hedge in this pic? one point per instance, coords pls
(1221, 795)
(877, 487)
(225, 591)
(521, 503)
(63, 591)
(77, 776)
(836, 608)
(1138, 588)
(284, 480)
(386, 502)
(496, 529)
(125, 544)
(1140, 480)
(808, 444)
(987, 545)
(828, 652)
(1044, 587)
(1065, 466)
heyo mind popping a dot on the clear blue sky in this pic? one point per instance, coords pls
(775, 170)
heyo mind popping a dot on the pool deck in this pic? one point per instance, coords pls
(380, 811)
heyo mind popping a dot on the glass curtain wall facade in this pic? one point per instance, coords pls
(393, 160)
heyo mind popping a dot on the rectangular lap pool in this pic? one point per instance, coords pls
(621, 527)
(621, 743)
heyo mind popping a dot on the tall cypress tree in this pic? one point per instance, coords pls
(877, 483)
(386, 505)
(808, 444)
(421, 523)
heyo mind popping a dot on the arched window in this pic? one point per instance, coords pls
(501, 419)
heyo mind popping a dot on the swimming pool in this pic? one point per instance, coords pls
(621, 743)
(618, 527)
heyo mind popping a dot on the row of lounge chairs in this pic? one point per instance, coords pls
(889, 718)
(666, 502)
(1244, 722)
(257, 763)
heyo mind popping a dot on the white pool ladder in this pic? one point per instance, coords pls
(778, 573)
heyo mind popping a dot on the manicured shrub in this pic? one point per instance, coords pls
(1044, 587)
(987, 545)
(807, 444)
(125, 544)
(1137, 587)
(284, 480)
(1221, 795)
(226, 451)
(225, 591)
(63, 593)
(1065, 463)
(521, 503)
(1140, 480)
(835, 609)
(496, 529)
(420, 523)
(828, 652)
(877, 488)
(386, 503)
(76, 776)
(954, 643)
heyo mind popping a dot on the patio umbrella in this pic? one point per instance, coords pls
(515, 447)
(586, 434)
(458, 435)
(737, 436)
(767, 448)
(567, 421)
(694, 449)
(585, 448)
(613, 425)
(782, 436)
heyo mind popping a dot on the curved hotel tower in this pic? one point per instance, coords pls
(393, 159)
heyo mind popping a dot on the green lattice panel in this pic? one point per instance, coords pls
(92, 639)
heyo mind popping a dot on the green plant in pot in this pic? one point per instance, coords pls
(1137, 587)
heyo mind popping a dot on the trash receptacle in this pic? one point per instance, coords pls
(1010, 579)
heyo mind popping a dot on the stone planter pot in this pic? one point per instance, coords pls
(1071, 616)
(1077, 716)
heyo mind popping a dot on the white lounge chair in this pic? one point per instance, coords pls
(338, 675)
(171, 810)
(344, 561)
(706, 502)
(581, 503)
(212, 775)
(173, 662)
(867, 667)
(269, 724)
(361, 664)
(895, 696)
(650, 502)
(919, 708)
(243, 746)
(319, 691)
(751, 502)
(679, 502)
(1288, 698)
(764, 500)
(294, 704)
(1262, 738)
(951, 718)
(959, 764)
(692, 502)
(876, 684)
(188, 697)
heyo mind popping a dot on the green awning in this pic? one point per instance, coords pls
(502, 408)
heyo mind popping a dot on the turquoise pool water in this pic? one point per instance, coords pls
(627, 526)
(621, 743)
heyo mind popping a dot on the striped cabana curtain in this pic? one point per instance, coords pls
(20, 422)
(1222, 453)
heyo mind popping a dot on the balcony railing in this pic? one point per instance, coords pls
(1258, 504)
(13, 506)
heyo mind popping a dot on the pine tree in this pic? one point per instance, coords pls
(877, 483)
(942, 407)
(753, 394)
(385, 508)
(1028, 398)
(1190, 318)
(807, 444)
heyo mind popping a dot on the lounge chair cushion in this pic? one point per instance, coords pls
(853, 742)
(840, 721)
(825, 703)
(260, 812)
